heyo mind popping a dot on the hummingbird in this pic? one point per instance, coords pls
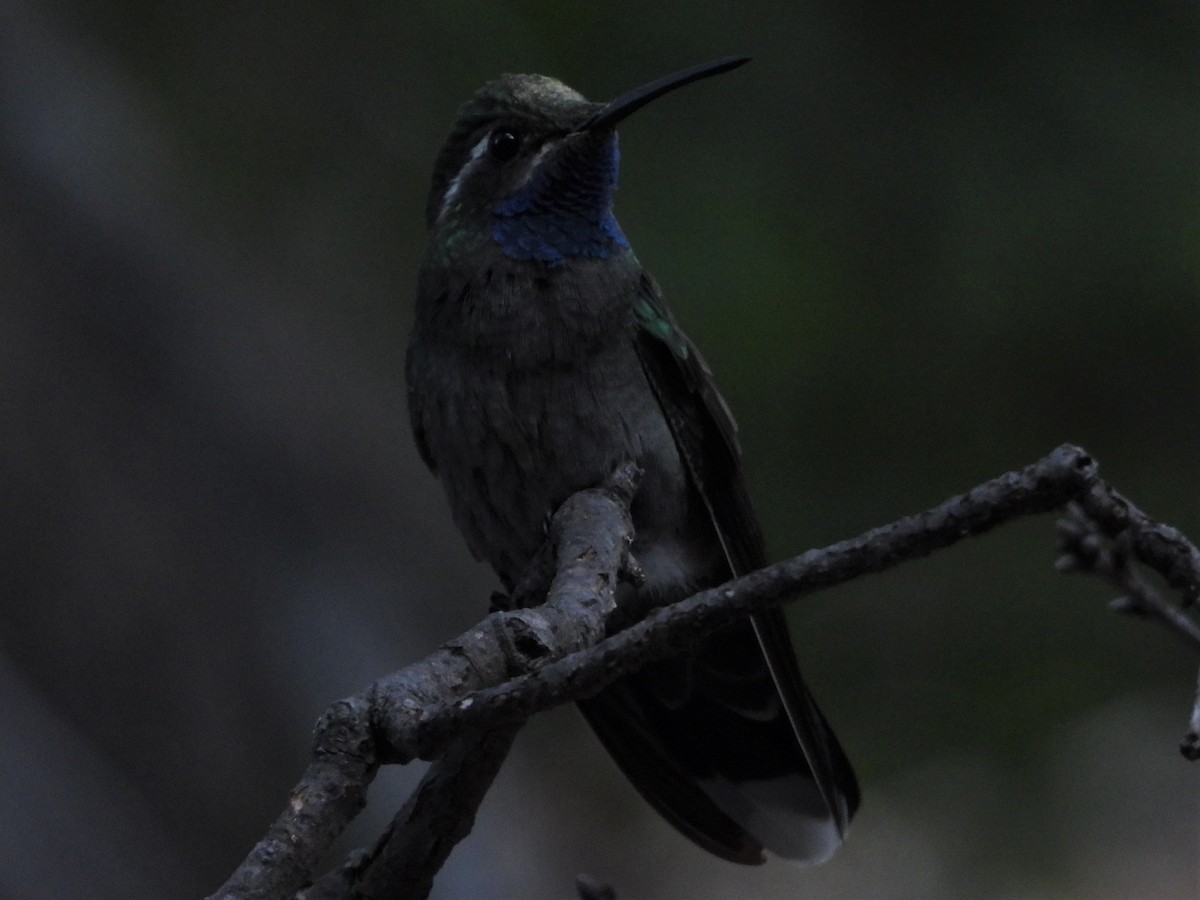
(542, 356)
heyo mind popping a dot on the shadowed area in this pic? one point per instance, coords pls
(918, 246)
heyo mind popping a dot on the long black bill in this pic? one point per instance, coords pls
(637, 98)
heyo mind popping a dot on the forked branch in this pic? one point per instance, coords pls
(483, 685)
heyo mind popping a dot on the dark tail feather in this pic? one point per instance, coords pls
(659, 778)
(731, 749)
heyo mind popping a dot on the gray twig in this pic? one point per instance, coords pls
(1190, 745)
(487, 682)
(591, 534)
(1082, 540)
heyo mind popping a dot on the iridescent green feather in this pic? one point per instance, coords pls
(657, 322)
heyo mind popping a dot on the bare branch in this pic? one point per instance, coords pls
(1190, 745)
(591, 534)
(441, 812)
(1164, 549)
(1043, 486)
(487, 682)
(1084, 551)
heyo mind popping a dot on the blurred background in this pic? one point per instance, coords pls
(919, 243)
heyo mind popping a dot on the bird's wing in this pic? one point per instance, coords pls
(704, 429)
(706, 437)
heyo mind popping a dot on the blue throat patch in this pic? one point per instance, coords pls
(562, 215)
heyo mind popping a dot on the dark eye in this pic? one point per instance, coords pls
(504, 144)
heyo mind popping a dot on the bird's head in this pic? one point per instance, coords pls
(531, 165)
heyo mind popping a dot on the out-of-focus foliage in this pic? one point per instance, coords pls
(919, 243)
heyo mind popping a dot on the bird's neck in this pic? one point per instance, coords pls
(526, 314)
(556, 236)
(563, 213)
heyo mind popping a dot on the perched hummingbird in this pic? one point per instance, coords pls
(542, 356)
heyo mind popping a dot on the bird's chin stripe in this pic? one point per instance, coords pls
(787, 815)
(456, 183)
(535, 162)
(477, 152)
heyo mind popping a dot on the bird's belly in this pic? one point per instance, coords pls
(518, 444)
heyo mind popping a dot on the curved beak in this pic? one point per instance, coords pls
(634, 100)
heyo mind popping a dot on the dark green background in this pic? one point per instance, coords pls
(920, 244)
